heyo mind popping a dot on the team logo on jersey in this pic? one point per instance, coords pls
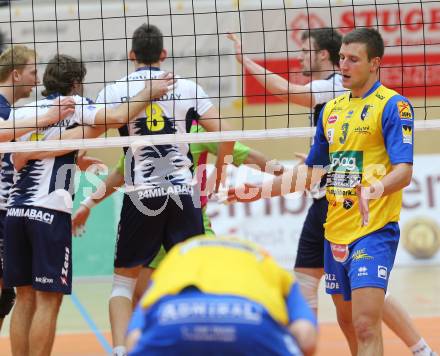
(404, 110)
(332, 119)
(330, 135)
(407, 134)
(347, 204)
(365, 113)
(379, 96)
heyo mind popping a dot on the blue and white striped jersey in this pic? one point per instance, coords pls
(49, 183)
(6, 167)
(166, 167)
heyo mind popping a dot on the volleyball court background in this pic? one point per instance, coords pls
(101, 39)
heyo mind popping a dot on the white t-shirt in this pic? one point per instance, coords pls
(158, 167)
(325, 90)
(49, 183)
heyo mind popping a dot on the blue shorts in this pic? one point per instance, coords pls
(38, 249)
(194, 323)
(310, 253)
(368, 262)
(140, 234)
(2, 238)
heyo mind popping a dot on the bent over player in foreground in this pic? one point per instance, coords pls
(221, 297)
(364, 137)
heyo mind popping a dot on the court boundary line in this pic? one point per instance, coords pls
(92, 325)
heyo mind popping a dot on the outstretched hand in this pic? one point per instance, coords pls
(79, 220)
(245, 193)
(88, 162)
(237, 44)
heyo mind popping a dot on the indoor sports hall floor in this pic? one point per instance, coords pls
(83, 327)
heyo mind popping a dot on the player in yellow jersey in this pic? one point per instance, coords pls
(364, 138)
(221, 296)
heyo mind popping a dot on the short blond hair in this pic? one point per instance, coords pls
(15, 58)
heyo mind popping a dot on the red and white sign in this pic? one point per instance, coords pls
(411, 33)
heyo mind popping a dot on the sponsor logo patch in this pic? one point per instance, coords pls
(359, 255)
(332, 119)
(362, 271)
(404, 110)
(347, 204)
(407, 134)
(349, 114)
(330, 135)
(340, 252)
(382, 272)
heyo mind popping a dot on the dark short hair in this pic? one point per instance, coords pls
(368, 36)
(61, 74)
(147, 44)
(325, 39)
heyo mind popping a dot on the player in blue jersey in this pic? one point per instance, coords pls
(221, 296)
(319, 60)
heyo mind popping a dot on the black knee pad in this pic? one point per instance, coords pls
(7, 300)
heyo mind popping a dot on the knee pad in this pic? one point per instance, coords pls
(7, 300)
(123, 286)
(309, 288)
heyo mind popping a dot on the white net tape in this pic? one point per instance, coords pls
(133, 141)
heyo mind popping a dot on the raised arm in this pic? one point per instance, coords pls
(275, 84)
(11, 129)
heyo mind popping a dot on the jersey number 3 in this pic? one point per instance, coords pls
(344, 130)
(155, 121)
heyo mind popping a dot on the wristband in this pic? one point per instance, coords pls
(88, 203)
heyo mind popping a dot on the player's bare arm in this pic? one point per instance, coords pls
(275, 84)
(11, 129)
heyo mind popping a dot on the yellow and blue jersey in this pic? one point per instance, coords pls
(359, 140)
(227, 266)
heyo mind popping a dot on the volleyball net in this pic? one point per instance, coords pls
(99, 35)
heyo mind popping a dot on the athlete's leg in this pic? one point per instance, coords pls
(399, 321)
(120, 305)
(309, 263)
(367, 320)
(7, 300)
(21, 320)
(141, 284)
(139, 240)
(345, 321)
(308, 279)
(44, 322)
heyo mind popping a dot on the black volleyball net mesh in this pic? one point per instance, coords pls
(99, 33)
